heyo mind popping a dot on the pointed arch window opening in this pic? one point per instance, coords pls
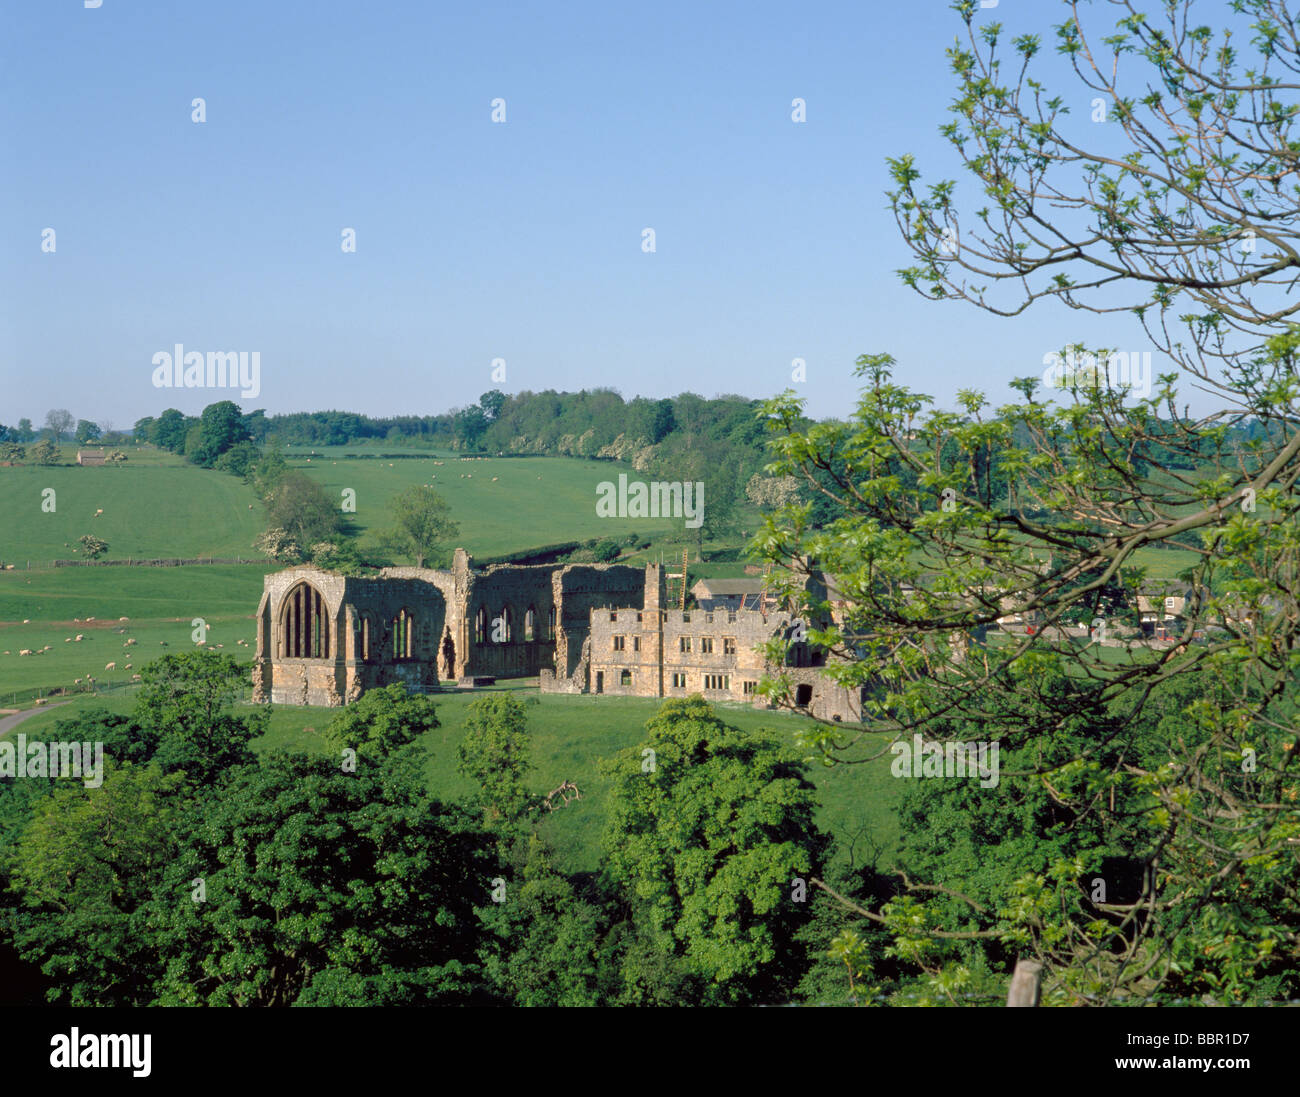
(403, 636)
(304, 625)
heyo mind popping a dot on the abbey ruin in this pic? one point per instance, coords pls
(324, 638)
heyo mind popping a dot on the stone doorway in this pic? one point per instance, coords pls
(448, 656)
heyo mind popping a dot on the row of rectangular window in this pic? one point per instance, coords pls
(684, 644)
(686, 617)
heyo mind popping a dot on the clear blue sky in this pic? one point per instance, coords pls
(476, 240)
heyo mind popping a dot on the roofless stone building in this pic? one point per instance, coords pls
(324, 638)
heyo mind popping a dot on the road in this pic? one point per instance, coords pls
(8, 723)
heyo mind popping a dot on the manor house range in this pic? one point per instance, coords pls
(324, 639)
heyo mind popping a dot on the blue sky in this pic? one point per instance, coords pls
(478, 241)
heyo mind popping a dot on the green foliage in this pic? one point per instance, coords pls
(423, 523)
(709, 843)
(183, 705)
(84, 867)
(299, 506)
(45, 453)
(494, 756)
(552, 938)
(220, 427)
(322, 887)
(382, 720)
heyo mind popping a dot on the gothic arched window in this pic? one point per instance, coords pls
(304, 624)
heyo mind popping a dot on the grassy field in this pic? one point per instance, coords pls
(503, 504)
(157, 505)
(161, 604)
(570, 735)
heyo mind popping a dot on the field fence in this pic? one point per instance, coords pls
(170, 562)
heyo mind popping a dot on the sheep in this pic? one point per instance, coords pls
(131, 642)
(77, 639)
(99, 512)
(67, 639)
(135, 677)
(27, 620)
(127, 667)
(110, 666)
(26, 651)
(124, 618)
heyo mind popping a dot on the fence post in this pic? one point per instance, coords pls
(1025, 983)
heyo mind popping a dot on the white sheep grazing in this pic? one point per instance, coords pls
(77, 638)
(89, 618)
(127, 667)
(99, 512)
(131, 642)
(67, 639)
(124, 618)
(110, 666)
(135, 677)
(25, 651)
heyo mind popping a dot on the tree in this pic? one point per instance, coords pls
(278, 545)
(59, 421)
(423, 523)
(184, 704)
(95, 546)
(551, 932)
(87, 431)
(299, 506)
(471, 423)
(1187, 221)
(494, 756)
(220, 427)
(45, 452)
(12, 452)
(25, 431)
(382, 720)
(492, 402)
(710, 829)
(85, 866)
(323, 887)
(169, 430)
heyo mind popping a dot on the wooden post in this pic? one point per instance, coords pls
(1025, 983)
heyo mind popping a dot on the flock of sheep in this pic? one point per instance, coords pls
(111, 665)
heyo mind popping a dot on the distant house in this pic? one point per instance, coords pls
(714, 594)
(90, 457)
